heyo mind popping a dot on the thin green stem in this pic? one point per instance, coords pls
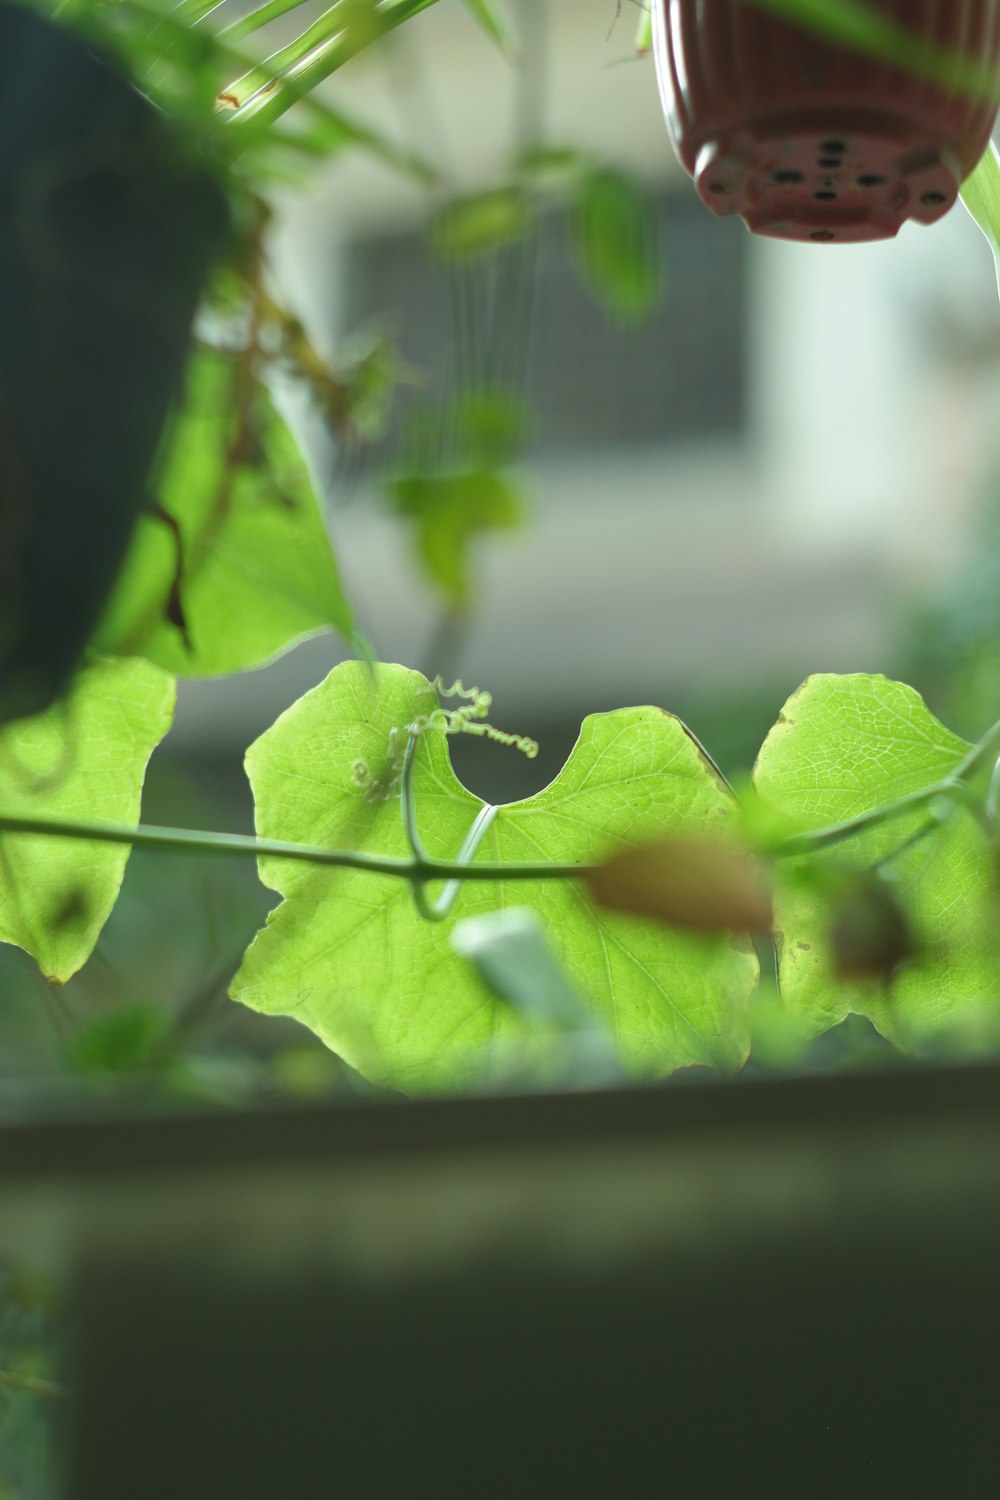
(993, 795)
(407, 802)
(439, 910)
(953, 787)
(196, 841)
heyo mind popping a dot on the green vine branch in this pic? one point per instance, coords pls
(953, 789)
(439, 910)
(420, 868)
(197, 841)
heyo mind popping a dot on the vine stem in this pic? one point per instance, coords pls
(953, 787)
(197, 841)
(420, 868)
(439, 910)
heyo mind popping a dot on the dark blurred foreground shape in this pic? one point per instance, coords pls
(107, 230)
(777, 1289)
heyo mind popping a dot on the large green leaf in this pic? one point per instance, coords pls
(843, 746)
(347, 954)
(84, 758)
(232, 563)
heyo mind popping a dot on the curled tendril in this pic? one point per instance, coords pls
(469, 718)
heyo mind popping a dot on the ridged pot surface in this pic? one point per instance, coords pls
(809, 141)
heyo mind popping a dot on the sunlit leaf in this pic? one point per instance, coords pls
(842, 746)
(348, 955)
(84, 758)
(615, 243)
(232, 563)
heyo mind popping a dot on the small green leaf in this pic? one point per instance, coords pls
(84, 758)
(481, 224)
(981, 196)
(615, 242)
(843, 746)
(347, 954)
(449, 512)
(232, 564)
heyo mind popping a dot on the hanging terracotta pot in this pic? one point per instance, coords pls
(808, 141)
(107, 231)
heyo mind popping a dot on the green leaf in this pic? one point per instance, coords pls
(981, 196)
(84, 758)
(347, 954)
(493, 21)
(843, 746)
(449, 512)
(481, 223)
(232, 564)
(615, 242)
